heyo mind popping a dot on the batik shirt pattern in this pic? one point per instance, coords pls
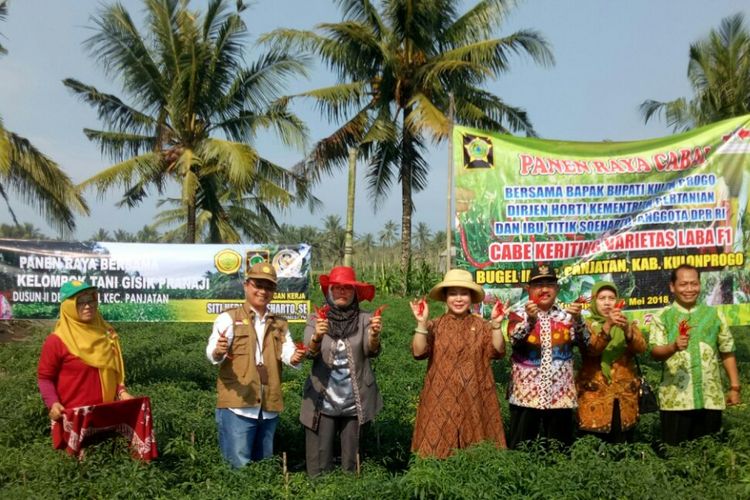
(691, 379)
(542, 360)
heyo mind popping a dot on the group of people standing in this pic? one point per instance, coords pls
(81, 363)
(547, 398)
(250, 344)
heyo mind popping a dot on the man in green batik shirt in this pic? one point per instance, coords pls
(692, 339)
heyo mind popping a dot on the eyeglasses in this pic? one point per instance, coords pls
(263, 285)
(86, 299)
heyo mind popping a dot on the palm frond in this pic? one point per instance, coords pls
(40, 183)
(144, 168)
(339, 100)
(122, 51)
(111, 109)
(479, 22)
(332, 152)
(120, 145)
(425, 115)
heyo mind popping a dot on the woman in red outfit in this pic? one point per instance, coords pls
(81, 362)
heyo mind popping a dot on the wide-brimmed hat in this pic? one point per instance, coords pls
(72, 288)
(542, 273)
(459, 278)
(344, 275)
(262, 271)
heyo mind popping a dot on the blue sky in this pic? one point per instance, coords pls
(610, 56)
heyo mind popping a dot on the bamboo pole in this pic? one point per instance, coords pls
(449, 204)
(349, 237)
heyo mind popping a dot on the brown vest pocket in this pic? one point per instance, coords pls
(262, 374)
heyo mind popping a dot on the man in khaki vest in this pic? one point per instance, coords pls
(249, 343)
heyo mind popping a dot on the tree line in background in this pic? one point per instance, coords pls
(376, 256)
(192, 108)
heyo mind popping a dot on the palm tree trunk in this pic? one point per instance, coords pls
(349, 238)
(190, 235)
(406, 204)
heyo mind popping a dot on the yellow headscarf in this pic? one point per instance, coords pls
(95, 343)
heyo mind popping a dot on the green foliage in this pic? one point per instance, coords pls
(404, 71)
(719, 75)
(25, 231)
(35, 310)
(167, 362)
(191, 111)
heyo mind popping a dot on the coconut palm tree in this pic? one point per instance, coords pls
(35, 178)
(388, 236)
(123, 236)
(331, 243)
(366, 245)
(247, 216)
(719, 73)
(25, 231)
(101, 234)
(422, 237)
(191, 114)
(147, 234)
(288, 234)
(397, 63)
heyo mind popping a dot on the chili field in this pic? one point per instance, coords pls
(167, 362)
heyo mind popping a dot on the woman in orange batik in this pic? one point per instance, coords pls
(608, 382)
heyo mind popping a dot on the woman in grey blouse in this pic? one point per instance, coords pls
(340, 395)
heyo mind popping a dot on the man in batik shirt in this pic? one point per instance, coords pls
(692, 340)
(542, 391)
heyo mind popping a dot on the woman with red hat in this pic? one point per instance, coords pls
(458, 404)
(340, 395)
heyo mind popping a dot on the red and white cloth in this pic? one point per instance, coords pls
(85, 425)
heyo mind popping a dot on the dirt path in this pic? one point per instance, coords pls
(19, 330)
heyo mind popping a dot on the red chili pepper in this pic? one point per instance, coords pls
(421, 306)
(684, 328)
(620, 304)
(322, 312)
(498, 310)
(536, 298)
(300, 346)
(380, 310)
(582, 299)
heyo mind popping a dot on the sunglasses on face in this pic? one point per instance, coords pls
(261, 285)
(86, 299)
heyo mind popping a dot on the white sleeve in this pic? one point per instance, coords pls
(287, 351)
(222, 322)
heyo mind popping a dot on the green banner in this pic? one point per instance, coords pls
(148, 282)
(629, 212)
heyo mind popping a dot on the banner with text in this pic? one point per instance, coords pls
(629, 212)
(148, 282)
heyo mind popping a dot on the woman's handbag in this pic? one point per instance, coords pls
(647, 402)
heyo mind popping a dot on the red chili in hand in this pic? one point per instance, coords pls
(498, 310)
(582, 299)
(380, 310)
(620, 304)
(535, 298)
(322, 312)
(684, 328)
(421, 306)
(300, 346)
